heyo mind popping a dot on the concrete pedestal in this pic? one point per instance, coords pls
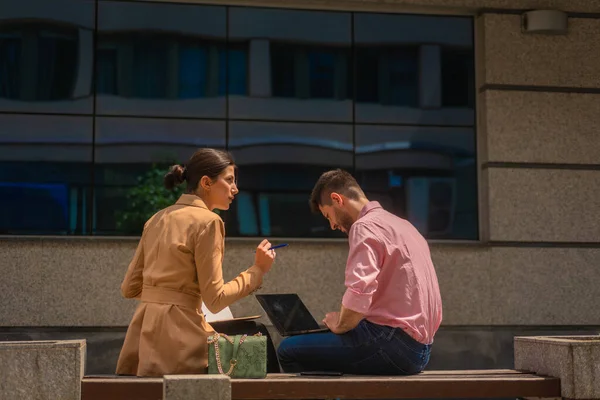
(41, 370)
(573, 359)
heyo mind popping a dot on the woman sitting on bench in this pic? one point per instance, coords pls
(178, 265)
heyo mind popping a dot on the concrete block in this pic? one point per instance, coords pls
(573, 359)
(42, 370)
(464, 277)
(516, 58)
(540, 127)
(197, 387)
(520, 274)
(543, 205)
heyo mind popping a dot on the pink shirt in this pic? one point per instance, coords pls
(390, 277)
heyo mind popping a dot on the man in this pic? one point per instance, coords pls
(392, 307)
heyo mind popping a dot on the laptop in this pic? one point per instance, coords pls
(288, 314)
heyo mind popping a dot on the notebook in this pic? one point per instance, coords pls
(224, 315)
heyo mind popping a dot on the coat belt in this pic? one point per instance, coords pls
(162, 295)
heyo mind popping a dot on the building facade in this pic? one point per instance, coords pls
(447, 112)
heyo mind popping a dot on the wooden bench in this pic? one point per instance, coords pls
(430, 384)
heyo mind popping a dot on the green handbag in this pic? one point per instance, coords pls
(243, 356)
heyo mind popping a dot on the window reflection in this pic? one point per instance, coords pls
(278, 166)
(299, 65)
(458, 83)
(276, 214)
(388, 75)
(39, 64)
(424, 174)
(45, 173)
(310, 73)
(164, 59)
(46, 56)
(131, 157)
(195, 71)
(292, 93)
(414, 69)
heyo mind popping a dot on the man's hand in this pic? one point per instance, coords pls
(343, 321)
(331, 321)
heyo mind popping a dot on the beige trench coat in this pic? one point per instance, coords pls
(178, 264)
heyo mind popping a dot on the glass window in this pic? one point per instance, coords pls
(131, 157)
(149, 69)
(45, 174)
(299, 65)
(424, 174)
(409, 67)
(278, 165)
(282, 71)
(458, 85)
(291, 93)
(321, 74)
(237, 63)
(46, 57)
(161, 60)
(415, 121)
(325, 70)
(106, 61)
(388, 76)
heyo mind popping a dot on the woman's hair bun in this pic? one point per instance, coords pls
(175, 176)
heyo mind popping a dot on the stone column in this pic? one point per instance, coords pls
(42, 370)
(197, 387)
(575, 360)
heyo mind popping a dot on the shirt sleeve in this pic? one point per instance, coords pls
(208, 255)
(362, 269)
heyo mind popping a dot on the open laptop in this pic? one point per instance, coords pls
(288, 314)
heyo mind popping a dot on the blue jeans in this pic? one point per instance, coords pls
(368, 349)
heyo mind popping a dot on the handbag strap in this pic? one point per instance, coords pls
(237, 342)
(236, 345)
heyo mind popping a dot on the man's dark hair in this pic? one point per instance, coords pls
(338, 181)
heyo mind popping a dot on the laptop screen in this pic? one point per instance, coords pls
(287, 311)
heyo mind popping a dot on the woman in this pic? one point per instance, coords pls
(177, 265)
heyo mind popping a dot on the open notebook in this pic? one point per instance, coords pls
(224, 315)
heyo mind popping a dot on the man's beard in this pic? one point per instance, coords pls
(344, 220)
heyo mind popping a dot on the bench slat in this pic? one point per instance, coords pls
(524, 376)
(473, 372)
(394, 388)
(122, 389)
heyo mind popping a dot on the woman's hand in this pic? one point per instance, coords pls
(264, 257)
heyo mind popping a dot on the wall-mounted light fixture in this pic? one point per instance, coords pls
(549, 22)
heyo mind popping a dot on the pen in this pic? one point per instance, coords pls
(276, 247)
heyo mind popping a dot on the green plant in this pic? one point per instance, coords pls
(144, 199)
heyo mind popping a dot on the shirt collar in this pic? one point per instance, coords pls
(191, 200)
(368, 207)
